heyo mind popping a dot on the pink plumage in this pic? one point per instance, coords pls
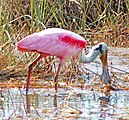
(62, 43)
(53, 41)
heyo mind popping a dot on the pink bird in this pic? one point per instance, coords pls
(62, 44)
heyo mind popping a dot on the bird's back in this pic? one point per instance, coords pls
(53, 41)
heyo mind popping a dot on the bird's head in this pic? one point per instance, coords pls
(103, 48)
(103, 56)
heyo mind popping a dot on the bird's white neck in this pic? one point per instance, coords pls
(93, 53)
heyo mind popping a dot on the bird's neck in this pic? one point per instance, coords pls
(90, 56)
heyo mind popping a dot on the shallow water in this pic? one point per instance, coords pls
(43, 104)
(72, 103)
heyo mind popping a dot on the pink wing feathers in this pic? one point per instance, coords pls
(53, 41)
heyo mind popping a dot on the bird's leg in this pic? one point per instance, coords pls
(56, 76)
(29, 70)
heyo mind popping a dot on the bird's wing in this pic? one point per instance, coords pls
(58, 44)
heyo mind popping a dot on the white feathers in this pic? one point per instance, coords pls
(93, 53)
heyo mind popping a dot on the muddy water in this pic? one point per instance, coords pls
(72, 103)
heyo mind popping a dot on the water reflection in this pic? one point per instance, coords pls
(27, 104)
(44, 104)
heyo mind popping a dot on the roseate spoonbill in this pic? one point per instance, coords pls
(63, 44)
